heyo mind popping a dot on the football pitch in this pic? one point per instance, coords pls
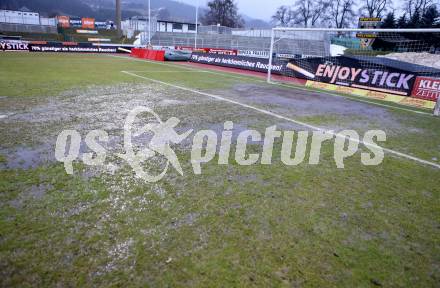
(264, 225)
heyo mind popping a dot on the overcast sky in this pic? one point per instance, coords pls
(261, 9)
(264, 9)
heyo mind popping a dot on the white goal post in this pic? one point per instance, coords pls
(376, 62)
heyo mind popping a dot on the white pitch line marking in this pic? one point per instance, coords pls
(164, 71)
(354, 98)
(400, 154)
(239, 76)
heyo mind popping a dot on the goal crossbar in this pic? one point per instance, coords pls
(414, 30)
(341, 30)
(302, 48)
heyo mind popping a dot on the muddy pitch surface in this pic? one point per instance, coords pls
(30, 125)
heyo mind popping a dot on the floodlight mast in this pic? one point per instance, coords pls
(197, 26)
(149, 23)
(118, 17)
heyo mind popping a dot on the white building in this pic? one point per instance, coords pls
(25, 17)
(20, 17)
(140, 24)
(48, 21)
(137, 24)
(173, 26)
(138, 27)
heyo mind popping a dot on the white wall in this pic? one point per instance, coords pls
(29, 18)
(169, 27)
(48, 21)
(162, 27)
(253, 33)
(19, 17)
(139, 25)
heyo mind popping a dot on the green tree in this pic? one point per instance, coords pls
(389, 21)
(429, 17)
(402, 22)
(416, 20)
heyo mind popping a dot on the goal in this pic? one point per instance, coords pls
(398, 65)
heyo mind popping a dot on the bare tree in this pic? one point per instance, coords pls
(341, 13)
(412, 7)
(223, 12)
(309, 12)
(376, 8)
(283, 16)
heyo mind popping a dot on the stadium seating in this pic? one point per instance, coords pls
(27, 28)
(297, 46)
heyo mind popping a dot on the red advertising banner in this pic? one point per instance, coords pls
(156, 55)
(64, 21)
(88, 23)
(426, 88)
(209, 50)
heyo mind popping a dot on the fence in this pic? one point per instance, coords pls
(7, 27)
(243, 39)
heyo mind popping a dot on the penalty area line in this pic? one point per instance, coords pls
(304, 124)
(297, 87)
(239, 76)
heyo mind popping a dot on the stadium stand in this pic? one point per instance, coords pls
(27, 28)
(210, 39)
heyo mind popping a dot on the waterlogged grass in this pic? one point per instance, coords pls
(230, 226)
(413, 135)
(48, 74)
(256, 226)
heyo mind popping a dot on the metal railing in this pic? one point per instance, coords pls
(241, 39)
(7, 27)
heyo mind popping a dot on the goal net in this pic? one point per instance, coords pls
(398, 65)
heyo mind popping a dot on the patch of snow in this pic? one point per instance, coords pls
(424, 59)
(336, 50)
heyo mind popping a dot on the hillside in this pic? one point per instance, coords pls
(68, 7)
